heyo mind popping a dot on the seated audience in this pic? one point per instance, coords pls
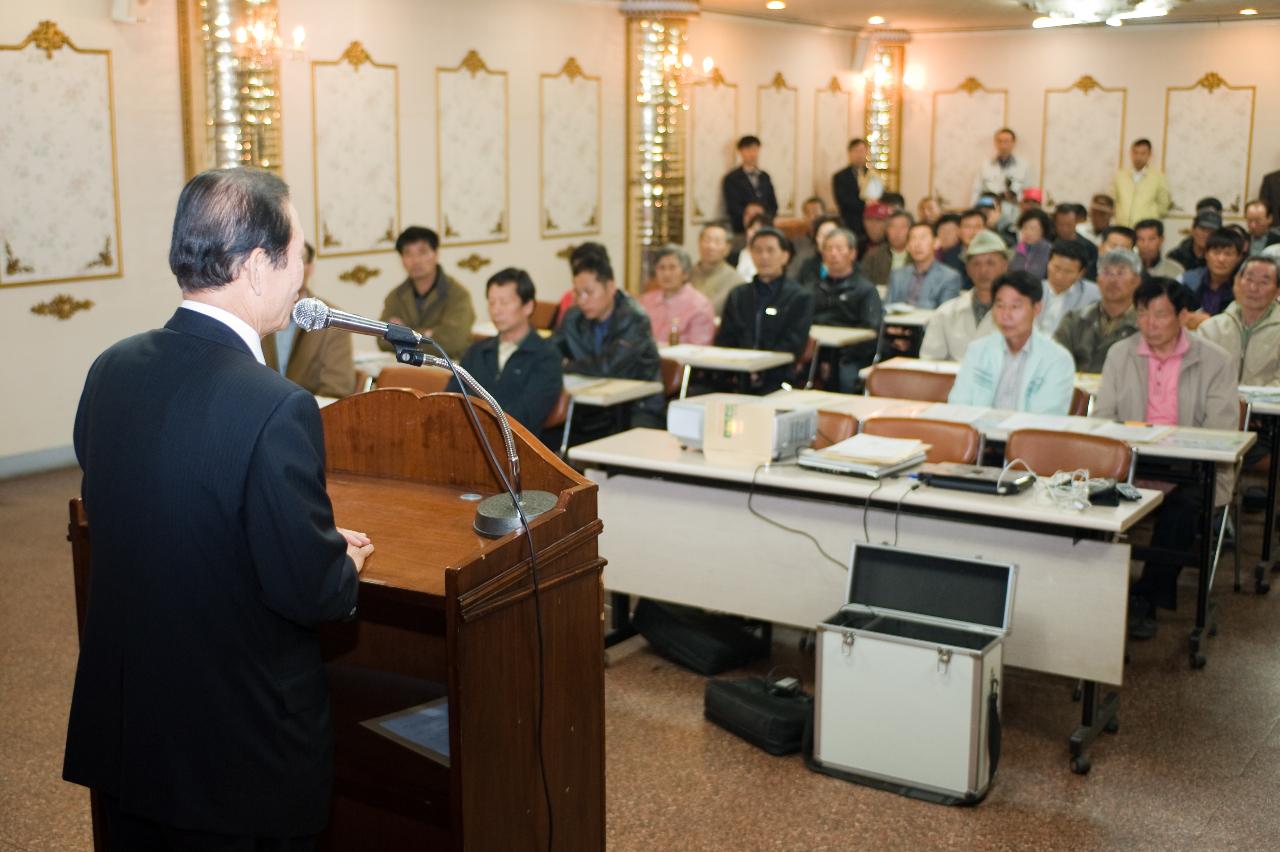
(1089, 332)
(809, 272)
(606, 334)
(1115, 237)
(1149, 234)
(746, 263)
(711, 276)
(319, 361)
(1163, 375)
(518, 366)
(1065, 287)
(1101, 209)
(894, 200)
(739, 242)
(677, 312)
(925, 282)
(428, 301)
(1021, 368)
(1258, 222)
(879, 262)
(946, 238)
(844, 297)
(770, 312)
(1249, 328)
(971, 222)
(928, 210)
(570, 297)
(1066, 218)
(813, 209)
(968, 316)
(1190, 252)
(1031, 251)
(875, 218)
(1211, 285)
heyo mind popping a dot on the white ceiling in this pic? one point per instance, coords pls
(953, 15)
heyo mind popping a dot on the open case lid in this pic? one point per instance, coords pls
(958, 592)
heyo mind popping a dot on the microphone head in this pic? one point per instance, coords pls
(311, 314)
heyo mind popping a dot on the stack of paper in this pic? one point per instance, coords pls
(867, 455)
(1133, 433)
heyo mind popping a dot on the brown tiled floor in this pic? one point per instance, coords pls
(1194, 765)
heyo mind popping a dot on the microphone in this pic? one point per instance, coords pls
(495, 516)
(312, 315)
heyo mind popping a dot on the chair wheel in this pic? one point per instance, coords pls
(1112, 726)
(1081, 765)
(1198, 661)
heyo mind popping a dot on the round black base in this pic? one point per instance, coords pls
(496, 516)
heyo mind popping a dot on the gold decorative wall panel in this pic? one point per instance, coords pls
(355, 136)
(831, 106)
(471, 153)
(60, 208)
(1208, 143)
(778, 119)
(1082, 140)
(569, 152)
(712, 135)
(964, 121)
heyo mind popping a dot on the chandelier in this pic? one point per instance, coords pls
(1066, 13)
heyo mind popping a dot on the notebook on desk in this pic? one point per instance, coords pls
(868, 456)
(976, 478)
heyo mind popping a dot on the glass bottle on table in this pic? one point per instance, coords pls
(674, 336)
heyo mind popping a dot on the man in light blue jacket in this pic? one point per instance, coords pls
(924, 282)
(1022, 368)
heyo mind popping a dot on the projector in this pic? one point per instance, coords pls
(771, 428)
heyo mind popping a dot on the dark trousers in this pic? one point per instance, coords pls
(1177, 522)
(125, 832)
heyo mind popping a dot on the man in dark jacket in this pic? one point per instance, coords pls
(747, 183)
(519, 367)
(845, 297)
(200, 714)
(770, 312)
(849, 186)
(607, 334)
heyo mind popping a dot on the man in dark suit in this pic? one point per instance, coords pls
(747, 183)
(849, 185)
(200, 714)
(518, 366)
(1269, 193)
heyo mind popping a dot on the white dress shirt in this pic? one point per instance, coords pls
(242, 329)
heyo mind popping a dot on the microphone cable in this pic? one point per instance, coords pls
(533, 574)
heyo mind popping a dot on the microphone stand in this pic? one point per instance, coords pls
(497, 515)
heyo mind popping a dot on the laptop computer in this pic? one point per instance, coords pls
(977, 478)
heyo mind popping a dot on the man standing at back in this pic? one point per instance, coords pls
(747, 183)
(1141, 192)
(854, 185)
(200, 714)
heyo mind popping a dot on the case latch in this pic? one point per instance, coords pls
(944, 659)
(846, 644)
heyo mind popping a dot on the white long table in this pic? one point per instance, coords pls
(693, 356)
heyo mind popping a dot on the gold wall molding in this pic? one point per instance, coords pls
(715, 81)
(838, 158)
(572, 71)
(473, 65)
(567, 252)
(834, 86)
(1087, 85)
(474, 262)
(62, 306)
(359, 274)
(970, 86)
(778, 82)
(357, 56)
(1233, 201)
(1212, 81)
(47, 36)
(717, 78)
(787, 205)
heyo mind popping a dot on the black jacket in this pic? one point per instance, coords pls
(1184, 253)
(738, 191)
(628, 350)
(200, 699)
(852, 301)
(528, 386)
(778, 323)
(844, 186)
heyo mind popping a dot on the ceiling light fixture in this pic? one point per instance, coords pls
(1066, 13)
(875, 20)
(775, 5)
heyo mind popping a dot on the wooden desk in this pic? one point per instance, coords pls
(914, 318)
(1264, 403)
(724, 358)
(677, 528)
(602, 393)
(836, 337)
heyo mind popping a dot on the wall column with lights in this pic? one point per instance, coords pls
(884, 79)
(657, 101)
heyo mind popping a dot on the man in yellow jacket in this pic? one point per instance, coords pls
(1141, 192)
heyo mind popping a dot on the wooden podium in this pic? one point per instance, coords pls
(444, 612)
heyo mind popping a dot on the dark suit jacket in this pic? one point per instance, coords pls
(627, 351)
(528, 386)
(778, 323)
(738, 191)
(200, 699)
(1270, 193)
(844, 186)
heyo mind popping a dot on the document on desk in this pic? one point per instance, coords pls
(1052, 422)
(874, 449)
(423, 728)
(968, 414)
(1260, 393)
(1132, 433)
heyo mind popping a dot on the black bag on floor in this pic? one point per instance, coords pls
(708, 643)
(759, 713)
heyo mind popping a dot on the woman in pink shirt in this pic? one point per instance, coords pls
(677, 311)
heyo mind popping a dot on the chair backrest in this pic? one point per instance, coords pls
(425, 379)
(948, 442)
(834, 427)
(544, 314)
(672, 375)
(924, 385)
(1079, 403)
(1046, 452)
(364, 381)
(557, 415)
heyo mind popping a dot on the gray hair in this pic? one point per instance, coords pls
(849, 237)
(1266, 260)
(1121, 257)
(673, 250)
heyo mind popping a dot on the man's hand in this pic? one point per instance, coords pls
(1191, 319)
(358, 547)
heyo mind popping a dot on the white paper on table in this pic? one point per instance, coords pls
(1132, 434)
(873, 448)
(1260, 393)
(1051, 422)
(955, 413)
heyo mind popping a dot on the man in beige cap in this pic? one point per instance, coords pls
(967, 317)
